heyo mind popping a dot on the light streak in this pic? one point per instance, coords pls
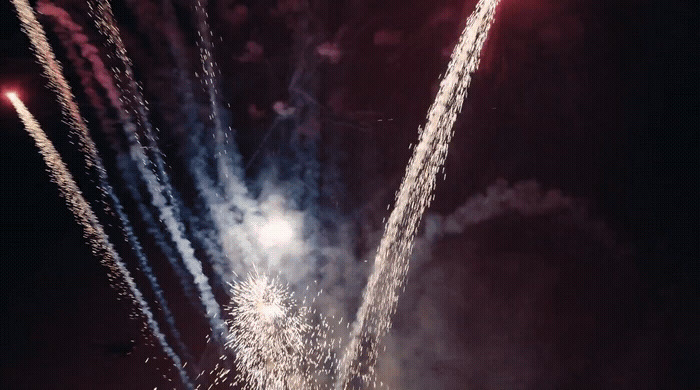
(156, 179)
(413, 197)
(92, 230)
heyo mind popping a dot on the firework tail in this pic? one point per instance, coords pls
(155, 178)
(229, 165)
(72, 33)
(413, 197)
(53, 71)
(104, 78)
(92, 230)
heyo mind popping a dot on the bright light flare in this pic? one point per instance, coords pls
(12, 95)
(276, 232)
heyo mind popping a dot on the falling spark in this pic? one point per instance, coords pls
(225, 166)
(76, 34)
(92, 230)
(414, 196)
(54, 72)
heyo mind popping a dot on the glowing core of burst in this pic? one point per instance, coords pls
(12, 95)
(269, 311)
(277, 231)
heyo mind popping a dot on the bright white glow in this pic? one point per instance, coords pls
(269, 312)
(12, 96)
(276, 232)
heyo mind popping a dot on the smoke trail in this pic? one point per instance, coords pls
(130, 89)
(218, 211)
(236, 205)
(53, 70)
(104, 78)
(177, 231)
(525, 197)
(414, 195)
(92, 230)
(74, 33)
(229, 166)
(156, 179)
(125, 166)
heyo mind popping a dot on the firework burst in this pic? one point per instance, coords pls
(270, 335)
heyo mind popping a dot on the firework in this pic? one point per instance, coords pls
(276, 342)
(93, 231)
(269, 335)
(414, 196)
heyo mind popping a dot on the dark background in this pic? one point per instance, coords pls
(599, 100)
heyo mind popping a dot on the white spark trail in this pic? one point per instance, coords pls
(92, 230)
(234, 238)
(156, 179)
(414, 196)
(225, 267)
(54, 72)
(114, 95)
(229, 165)
(75, 34)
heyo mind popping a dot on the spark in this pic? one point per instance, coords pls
(414, 196)
(269, 334)
(54, 72)
(156, 178)
(92, 230)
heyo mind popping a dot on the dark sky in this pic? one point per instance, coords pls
(598, 99)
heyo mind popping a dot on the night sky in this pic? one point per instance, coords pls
(598, 100)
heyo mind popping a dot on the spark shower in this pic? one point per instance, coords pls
(263, 241)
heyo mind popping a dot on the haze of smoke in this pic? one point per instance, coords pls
(92, 230)
(413, 197)
(470, 271)
(526, 198)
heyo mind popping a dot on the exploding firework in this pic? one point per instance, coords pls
(269, 335)
(276, 342)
